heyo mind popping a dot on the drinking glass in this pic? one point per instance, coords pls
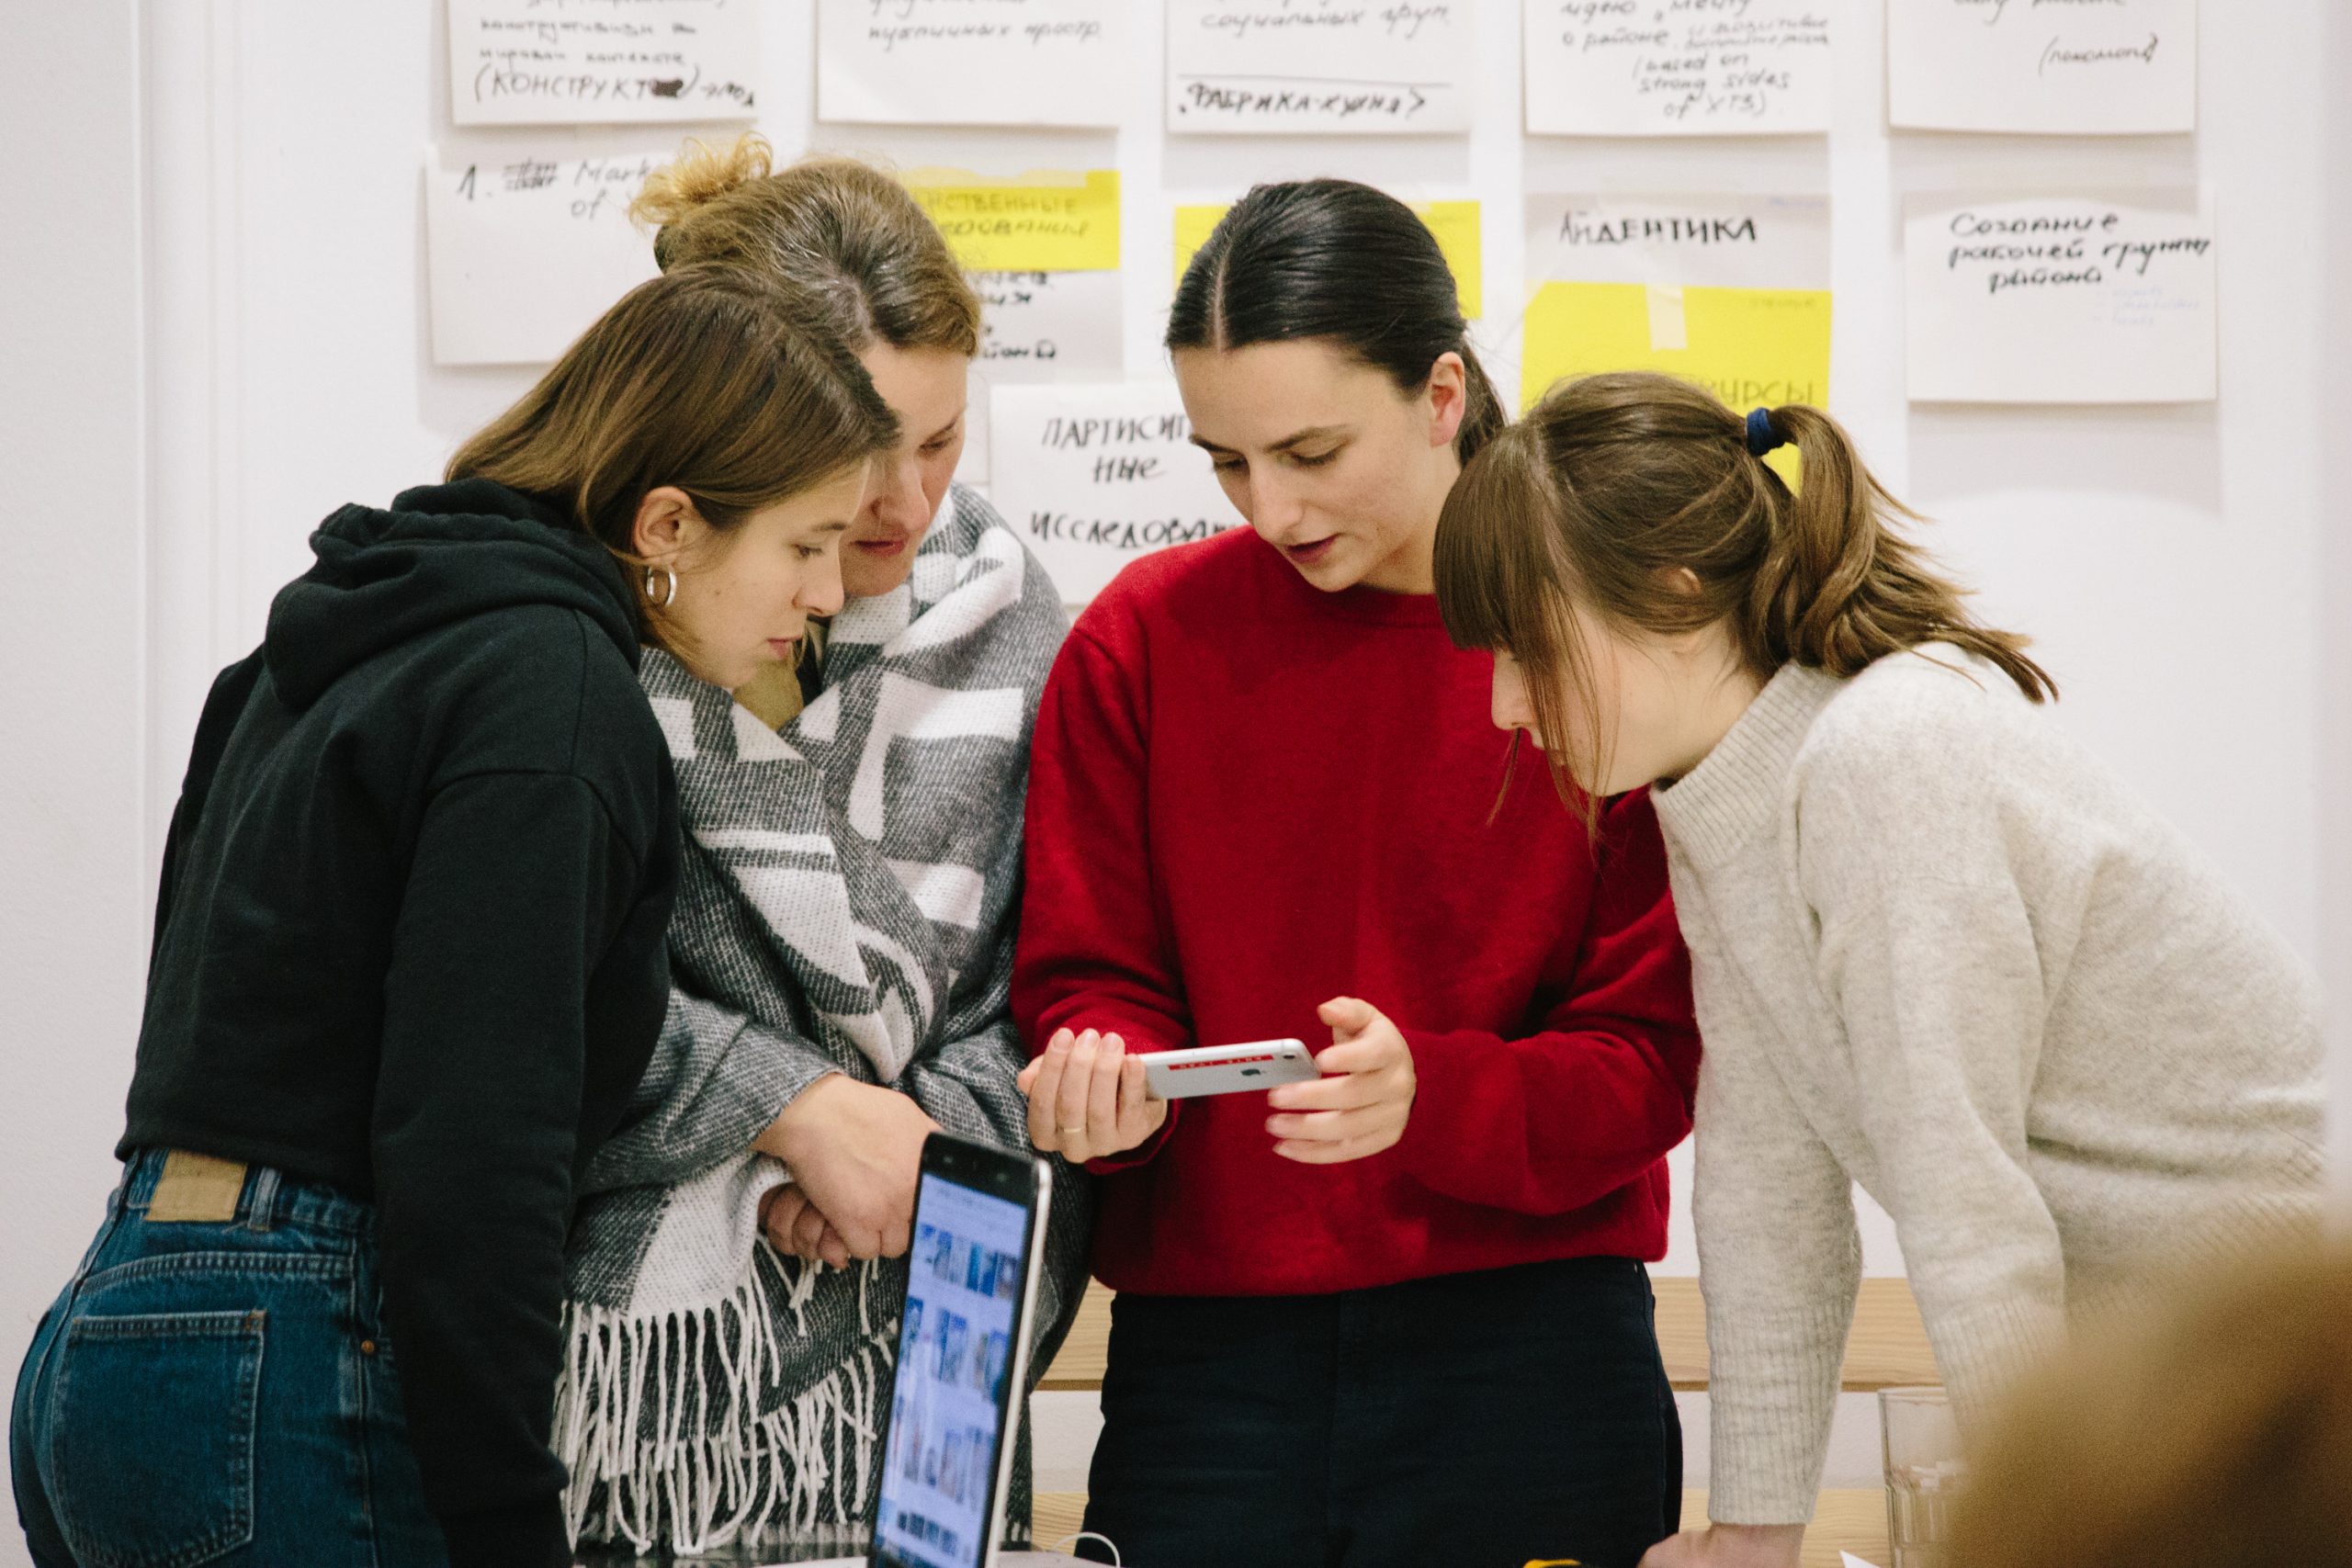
(1923, 1473)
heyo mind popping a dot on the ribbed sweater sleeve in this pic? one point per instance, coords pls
(1928, 953)
(1780, 1261)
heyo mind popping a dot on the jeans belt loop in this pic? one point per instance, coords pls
(261, 1199)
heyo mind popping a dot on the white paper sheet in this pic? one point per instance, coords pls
(1848, 1560)
(603, 62)
(528, 244)
(1673, 68)
(1090, 476)
(957, 62)
(1731, 292)
(2063, 67)
(1708, 242)
(1038, 326)
(1250, 67)
(1047, 326)
(2094, 298)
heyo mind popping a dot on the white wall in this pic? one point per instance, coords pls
(214, 313)
(2336, 533)
(2163, 555)
(73, 858)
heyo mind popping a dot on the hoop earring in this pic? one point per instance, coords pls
(670, 589)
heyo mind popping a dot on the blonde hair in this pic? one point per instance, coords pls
(1607, 487)
(840, 234)
(707, 378)
(2219, 1438)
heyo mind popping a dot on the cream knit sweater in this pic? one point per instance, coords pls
(1940, 952)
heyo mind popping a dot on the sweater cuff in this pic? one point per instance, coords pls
(783, 1083)
(1772, 1395)
(1980, 1353)
(1139, 1043)
(1444, 1126)
(529, 1536)
(1143, 1152)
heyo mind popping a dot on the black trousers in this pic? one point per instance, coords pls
(1478, 1420)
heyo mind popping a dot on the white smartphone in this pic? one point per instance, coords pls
(1228, 1069)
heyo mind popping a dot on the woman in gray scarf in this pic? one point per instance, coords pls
(842, 950)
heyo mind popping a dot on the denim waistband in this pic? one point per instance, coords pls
(269, 1199)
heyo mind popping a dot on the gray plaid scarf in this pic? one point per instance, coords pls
(847, 904)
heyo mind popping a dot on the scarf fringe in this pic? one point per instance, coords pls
(658, 1420)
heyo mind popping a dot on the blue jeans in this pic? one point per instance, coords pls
(219, 1393)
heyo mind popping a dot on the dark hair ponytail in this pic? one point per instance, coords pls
(1339, 260)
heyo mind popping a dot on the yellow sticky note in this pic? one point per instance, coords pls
(1193, 227)
(1752, 347)
(1454, 223)
(1043, 222)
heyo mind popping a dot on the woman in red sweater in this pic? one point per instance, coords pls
(1397, 1314)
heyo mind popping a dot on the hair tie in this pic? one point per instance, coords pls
(1762, 436)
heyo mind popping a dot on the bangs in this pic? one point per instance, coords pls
(1493, 565)
(1501, 588)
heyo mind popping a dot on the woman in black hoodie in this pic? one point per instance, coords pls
(409, 963)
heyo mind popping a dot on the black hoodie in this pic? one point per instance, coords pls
(410, 943)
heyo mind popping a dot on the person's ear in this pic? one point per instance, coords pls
(665, 525)
(1448, 397)
(1681, 583)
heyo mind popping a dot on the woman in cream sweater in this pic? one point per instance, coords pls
(1938, 950)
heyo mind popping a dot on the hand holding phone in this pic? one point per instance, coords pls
(1088, 1097)
(1361, 1104)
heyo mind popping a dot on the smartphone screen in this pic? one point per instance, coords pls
(966, 1278)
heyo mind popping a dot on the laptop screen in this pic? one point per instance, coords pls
(964, 1279)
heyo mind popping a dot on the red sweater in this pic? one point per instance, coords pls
(1247, 797)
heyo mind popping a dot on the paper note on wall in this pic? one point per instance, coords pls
(1040, 223)
(526, 245)
(1454, 223)
(1655, 68)
(529, 62)
(1731, 292)
(955, 63)
(1252, 67)
(1092, 477)
(2112, 67)
(2062, 299)
(1045, 326)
